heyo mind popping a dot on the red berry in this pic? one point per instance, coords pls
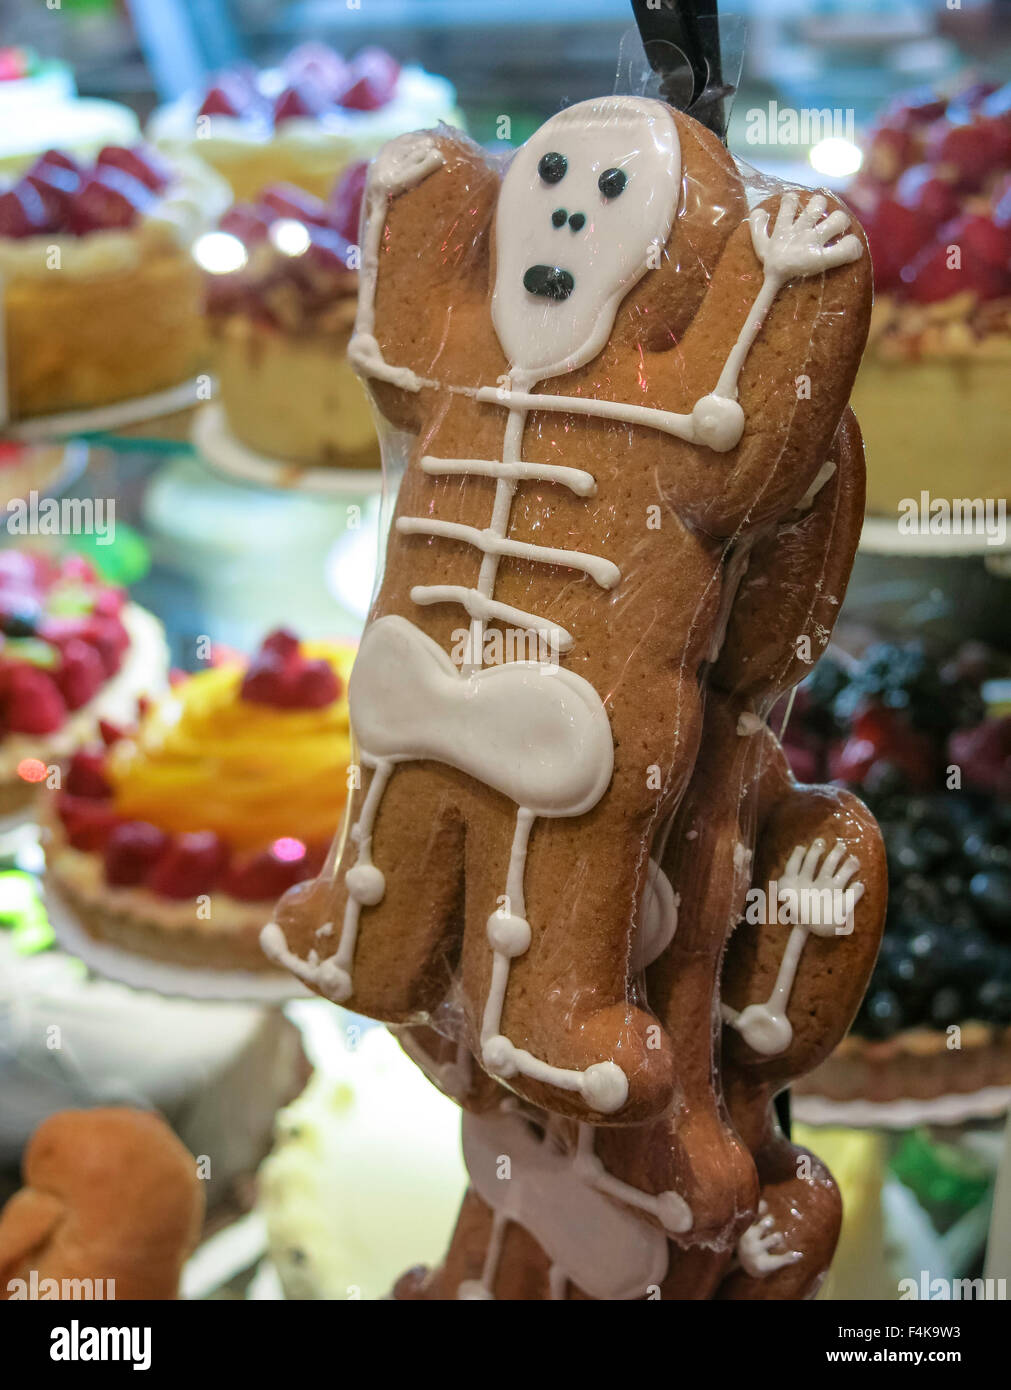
(33, 703)
(316, 686)
(281, 642)
(249, 224)
(81, 674)
(142, 164)
(86, 822)
(969, 151)
(22, 212)
(895, 234)
(372, 80)
(189, 866)
(231, 95)
(932, 277)
(56, 187)
(267, 680)
(261, 878)
(109, 638)
(890, 149)
(883, 735)
(110, 732)
(286, 200)
(318, 63)
(984, 755)
(323, 266)
(303, 99)
(56, 159)
(86, 774)
(922, 190)
(346, 201)
(131, 851)
(79, 568)
(109, 198)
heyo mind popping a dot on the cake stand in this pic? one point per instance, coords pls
(163, 977)
(112, 418)
(218, 447)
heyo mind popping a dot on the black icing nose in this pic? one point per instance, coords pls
(550, 281)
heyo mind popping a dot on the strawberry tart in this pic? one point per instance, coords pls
(174, 841)
(39, 107)
(935, 199)
(281, 317)
(305, 121)
(73, 652)
(101, 298)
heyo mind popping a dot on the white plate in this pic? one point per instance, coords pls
(162, 977)
(989, 1103)
(881, 536)
(215, 444)
(106, 417)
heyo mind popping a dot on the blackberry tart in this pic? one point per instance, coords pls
(916, 737)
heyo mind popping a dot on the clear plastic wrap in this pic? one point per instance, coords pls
(611, 376)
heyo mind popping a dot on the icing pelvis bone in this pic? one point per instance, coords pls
(603, 410)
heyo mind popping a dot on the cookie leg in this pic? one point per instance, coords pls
(567, 899)
(377, 933)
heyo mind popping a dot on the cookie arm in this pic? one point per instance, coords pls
(429, 202)
(799, 321)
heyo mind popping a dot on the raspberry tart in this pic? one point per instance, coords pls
(101, 294)
(73, 652)
(936, 1019)
(935, 200)
(280, 324)
(174, 841)
(305, 121)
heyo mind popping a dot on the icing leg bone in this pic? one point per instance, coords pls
(410, 702)
(766, 1027)
(669, 1208)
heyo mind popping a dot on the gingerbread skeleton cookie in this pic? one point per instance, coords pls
(620, 371)
(710, 1200)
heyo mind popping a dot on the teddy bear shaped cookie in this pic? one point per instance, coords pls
(110, 1197)
(611, 373)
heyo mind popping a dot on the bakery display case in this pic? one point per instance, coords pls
(444, 608)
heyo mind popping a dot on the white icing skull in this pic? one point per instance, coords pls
(584, 207)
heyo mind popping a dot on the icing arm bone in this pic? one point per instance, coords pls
(800, 245)
(819, 895)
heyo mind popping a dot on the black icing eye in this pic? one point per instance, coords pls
(559, 217)
(612, 182)
(552, 167)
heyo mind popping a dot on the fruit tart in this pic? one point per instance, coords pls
(934, 197)
(101, 294)
(281, 311)
(73, 652)
(304, 121)
(175, 839)
(914, 734)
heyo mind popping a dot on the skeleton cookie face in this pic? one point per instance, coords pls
(586, 205)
